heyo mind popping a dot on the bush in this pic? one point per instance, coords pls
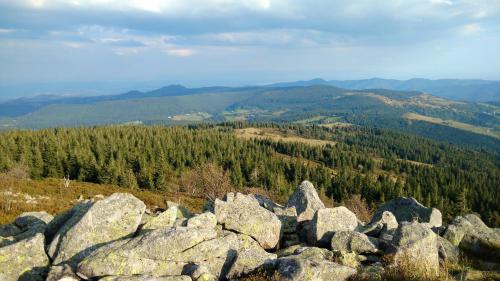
(207, 180)
(359, 207)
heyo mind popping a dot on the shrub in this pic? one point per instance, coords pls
(359, 207)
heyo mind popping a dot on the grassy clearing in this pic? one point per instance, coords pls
(457, 125)
(270, 134)
(25, 195)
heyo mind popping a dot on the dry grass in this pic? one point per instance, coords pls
(271, 134)
(359, 207)
(407, 268)
(24, 195)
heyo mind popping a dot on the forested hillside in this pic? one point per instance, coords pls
(379, 164)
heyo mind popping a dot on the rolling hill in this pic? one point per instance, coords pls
(443, 119)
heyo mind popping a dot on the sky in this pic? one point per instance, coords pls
(114, 44)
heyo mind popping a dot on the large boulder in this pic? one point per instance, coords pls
(328, 221)
(409, 209)
(24, 260)
(24, 226)
(243, 214)
(447, 251)
(205, 220)
(164, 219)
(312, 264)
(152, 253)
(87, 229)
(417, 248)
(474, 237)
(352, 241)
(386, 222)
(306, 201)
(249, 258)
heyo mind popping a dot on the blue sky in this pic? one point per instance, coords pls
(234, 42)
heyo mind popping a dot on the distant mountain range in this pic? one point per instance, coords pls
(311, 102)
(457, 89)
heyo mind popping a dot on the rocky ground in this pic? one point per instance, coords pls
(118, 238)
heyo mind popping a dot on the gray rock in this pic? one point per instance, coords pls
(417, 248)
(25, 220)
(352, 241)
(62, 273)
(250, 257)
(164, 219)
(244, 215)
(59, 220)
(146, 254)
(328, 221)
(146, 278)
(306, 201)
(474, 237)
(312, 264)
(447, 251)
(205, 220)
(386, 221)
(107, 220)
(182, 212)
(9, 229)
(409, 209)
(24, 260)
(265, 202)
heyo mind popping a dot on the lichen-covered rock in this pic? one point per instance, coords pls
(312, 264)
(147, 254)
(24, 226)
(30, 218)
(264, 202)
(352, 241)
(409, 209)
(146, 278)
(249, 258)
(9, 229)
(306, 201)
(328, 221)
(164, 219)
(55, 225)
(205, 220)
(107, 220)
(62, 273)
(417, 248)
(288, 218)
(474, 237)
(182, 212)
(244, 215)
(447, 251)
(24, 260)
(386, 221)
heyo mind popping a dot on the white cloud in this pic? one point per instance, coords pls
(471, 29)
(181, 52)
(6, 30)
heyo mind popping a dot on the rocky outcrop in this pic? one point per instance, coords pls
(409, 209)
(250, 257)
(352, 241)
(326, 222)
(310, 264)
(164, 219)
(385, 222)
(474, 237)
(306, 201)
(24, 260)
(205, 220)
(244, 215)
(107, 220)
(417, 248)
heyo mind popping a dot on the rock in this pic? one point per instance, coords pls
(164, 219)
(62, 273)
(146, 278)
(59, 220)
(244, 215)
(25, 220)
(409, 209)
(288, 218)
(349, 259)
(250, 257)
(146, 254)
(417, 248)
(352, 241)
(205, 220)
(182, 212)
(447, 251)
(9, 229)
(474, 237)
(328, 221)
(264, 202)
(306, 201)
(24, 260)
(386, 221)
(107, 220)
(312, 264)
